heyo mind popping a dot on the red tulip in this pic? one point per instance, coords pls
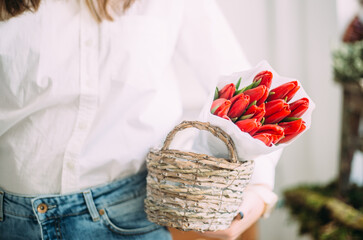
(299, 107)
(266, 78)
(276, 110)
(258, 94)
(255, 111)
(227, 91)
(216, 103)
(283, 91)
(291, 136)
(220, 107)
(291, 94)
(276, 138)
(275, 132)
(239, 104)
(291, 127)
(248, 125)
(272, 129)
(265, 137)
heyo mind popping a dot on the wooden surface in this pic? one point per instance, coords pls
(250, 234)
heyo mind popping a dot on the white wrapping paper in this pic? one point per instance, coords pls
(247, 147)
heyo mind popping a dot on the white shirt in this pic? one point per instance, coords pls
(81, 103)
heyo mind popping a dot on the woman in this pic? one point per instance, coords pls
(86, 89)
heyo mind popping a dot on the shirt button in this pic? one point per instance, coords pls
(42, 208)
(89, 43)
(82, 125)
(70, 165)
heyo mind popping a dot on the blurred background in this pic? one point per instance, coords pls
(296, 37)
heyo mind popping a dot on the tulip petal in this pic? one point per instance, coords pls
(227, 91)
(276, 138)
(292, 93)
(265, 77)
(276, 110)
(291, 136)
(265, 138)
(272, 129)
(263, 98)
(274, 106)
(291, 127)
(256, 93)
(299, 107)
(278, 116)
(257, 111)
(216, 103)
(248, 125)
(282, 91)
(239, 105)
(223, 109)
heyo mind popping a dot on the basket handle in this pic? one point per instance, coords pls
(216, 131)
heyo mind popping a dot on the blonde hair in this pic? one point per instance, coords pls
(100, 9)
(107, 9)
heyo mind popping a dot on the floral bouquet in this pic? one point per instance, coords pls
(261, 110)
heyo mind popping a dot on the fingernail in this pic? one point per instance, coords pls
(241, 214)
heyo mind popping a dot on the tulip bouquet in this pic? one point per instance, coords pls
(269, 109)
(265, 114)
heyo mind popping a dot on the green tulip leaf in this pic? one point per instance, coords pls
(263, 120)
(247, 87)
(246, 116)
(238, 92)
(214, 109)
(290, 119)
(216, 94)
(238, 83)
(252, 103)
(256, 83)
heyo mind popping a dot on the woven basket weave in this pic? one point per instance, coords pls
(191, 191)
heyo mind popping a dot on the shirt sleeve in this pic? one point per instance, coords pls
(208, 46)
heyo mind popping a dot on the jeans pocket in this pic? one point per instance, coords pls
(128, 218)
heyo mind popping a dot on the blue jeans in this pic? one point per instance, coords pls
(112, 211)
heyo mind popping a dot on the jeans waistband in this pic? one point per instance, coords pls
(45, 207)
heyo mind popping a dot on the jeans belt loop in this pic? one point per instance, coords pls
(1, 206)
(91, 205)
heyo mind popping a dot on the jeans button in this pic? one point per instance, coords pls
(101, 212)
(42, 208)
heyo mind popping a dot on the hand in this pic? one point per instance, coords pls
(252, 208)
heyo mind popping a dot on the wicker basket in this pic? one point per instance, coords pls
(191, 191)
